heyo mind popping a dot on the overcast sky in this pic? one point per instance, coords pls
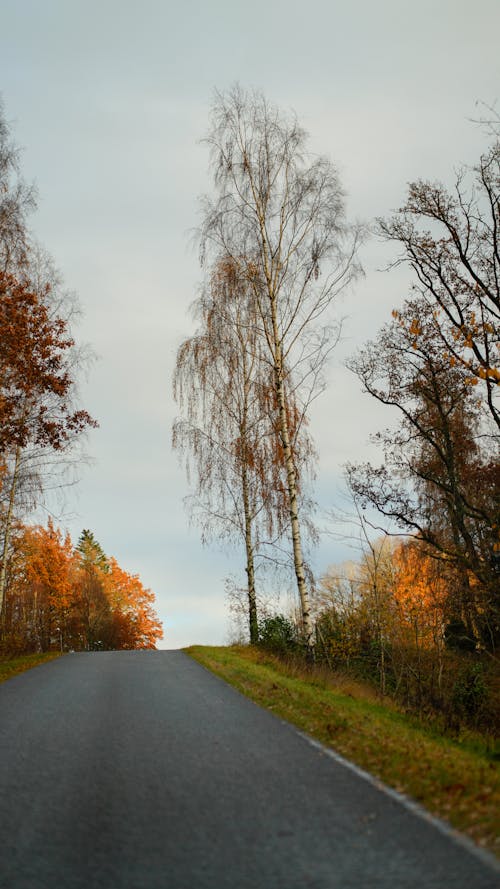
(109, 100)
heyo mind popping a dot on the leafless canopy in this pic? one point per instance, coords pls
(17, 200)
(452, 242)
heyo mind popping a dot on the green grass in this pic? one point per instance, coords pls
(452, 780)
(11, 666)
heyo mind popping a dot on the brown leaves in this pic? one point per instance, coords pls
(35, 380)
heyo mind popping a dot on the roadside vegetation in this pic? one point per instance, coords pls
(11, 666)
(277, 254)
(455, 778)
(392, 658)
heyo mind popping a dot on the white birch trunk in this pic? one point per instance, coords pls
(8, 526)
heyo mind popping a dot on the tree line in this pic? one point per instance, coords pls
(42, 432)
(277, 252)
(72, 598)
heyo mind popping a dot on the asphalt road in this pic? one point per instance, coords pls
(141, 770)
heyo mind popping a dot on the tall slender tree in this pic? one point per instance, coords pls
(278, 214)
(228, 428)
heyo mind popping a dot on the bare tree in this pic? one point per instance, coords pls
(17, 201)
(452, 242)
(278, 214)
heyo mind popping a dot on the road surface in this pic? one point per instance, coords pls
(141, 770)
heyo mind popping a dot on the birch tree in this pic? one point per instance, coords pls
(278, 213)
(226, 428)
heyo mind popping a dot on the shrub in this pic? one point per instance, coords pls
(278, 634)
(470, 692)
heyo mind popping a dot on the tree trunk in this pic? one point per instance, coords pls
(7, 527)
(250, 570)
(270, 261)
(293, 508)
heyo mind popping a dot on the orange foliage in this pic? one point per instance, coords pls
(137, 624)
(58, 598)
(420, 592)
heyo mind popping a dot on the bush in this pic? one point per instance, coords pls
(470, 692)
(278, 634)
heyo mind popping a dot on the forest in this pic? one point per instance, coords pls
(419, 613)
(53, 595)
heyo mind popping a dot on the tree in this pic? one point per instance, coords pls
(73, 598)
(38, 358)
(34, 375)
(111, 609)
(440, 479)
(278, 215)
(228, 429)
(17, 201)
(457, 266)
(91, 551)
(36, 389)
(92, 613)
(134, 624)
(421, 592)
(39, 589)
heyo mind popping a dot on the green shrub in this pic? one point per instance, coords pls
(278, 634)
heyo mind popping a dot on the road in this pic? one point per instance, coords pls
(141, 770)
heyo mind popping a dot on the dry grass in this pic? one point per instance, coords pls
(450, 779)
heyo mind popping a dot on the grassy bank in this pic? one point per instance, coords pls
(10, 666)
(452, 780)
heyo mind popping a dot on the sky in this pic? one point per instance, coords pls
(109, 100)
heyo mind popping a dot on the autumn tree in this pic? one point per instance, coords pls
(278, 214)
(39, 361)
(111, 608)
(66, 597)
(422, 594)
(228, 430)
(134, 622)
(436, 363)
(354, 603)
(40, 574)
(36, 389)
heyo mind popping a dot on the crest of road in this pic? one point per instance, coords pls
(141, 770)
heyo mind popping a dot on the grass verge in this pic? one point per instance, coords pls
(457, 784)
(11, 666)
